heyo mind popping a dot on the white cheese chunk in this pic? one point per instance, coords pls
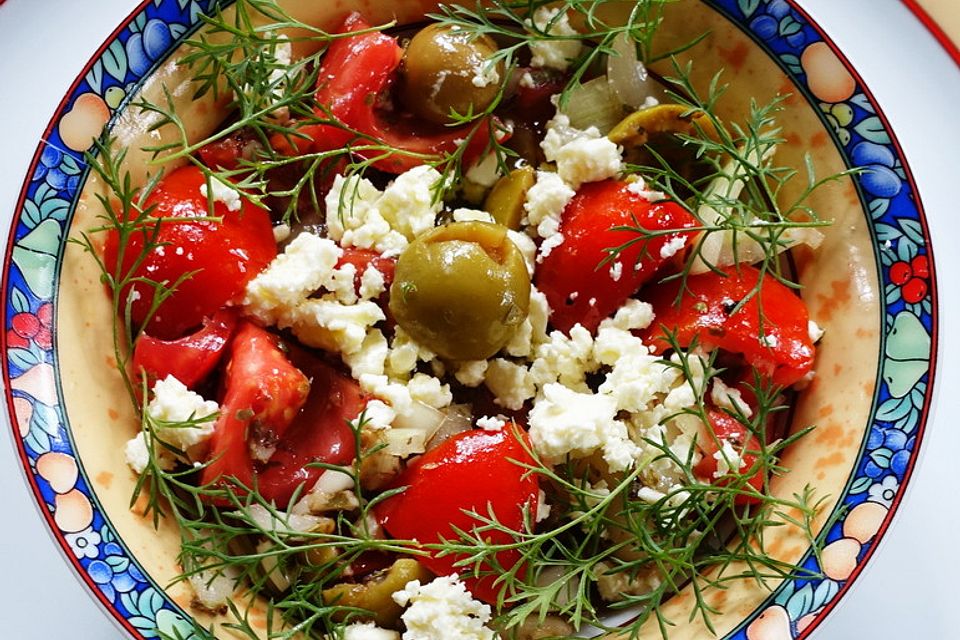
(441, 610)
(223, 193)
(555, 54)
(510, 383)
(303, 267)
(567, 423)
(430, 391)
(546, 200)
(368, 631)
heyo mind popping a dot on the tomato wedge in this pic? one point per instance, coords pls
(724, 427)
(354, 73)
(264, 392)
(222, 256)
(189, 359)
(770, 330)
(471, 471)
(320, 433)
(299, 408)
(578, 289)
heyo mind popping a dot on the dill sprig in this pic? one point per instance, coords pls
(740, 201)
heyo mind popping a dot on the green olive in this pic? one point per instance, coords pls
(375, 593)
(445, 69)
(461, 290)
(657, 128)
(505, 200)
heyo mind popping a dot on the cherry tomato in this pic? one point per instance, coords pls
(785, 351)
(471, 471)
(578, 289)
(189, 359)
(353, 76)
(222, 256)
(725, 427)
(263, 393)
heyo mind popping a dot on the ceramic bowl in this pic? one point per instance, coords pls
(871, 286)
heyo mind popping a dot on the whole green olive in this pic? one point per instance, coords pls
(446, 69)
(461, 290)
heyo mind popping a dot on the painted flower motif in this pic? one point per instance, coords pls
(114, 574)
(84, 544)
(885, 491)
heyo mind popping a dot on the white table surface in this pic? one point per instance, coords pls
(906, 591)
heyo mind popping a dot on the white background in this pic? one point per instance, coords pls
(907, 589)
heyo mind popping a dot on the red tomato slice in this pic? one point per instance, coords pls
(189, 359)
(320, 433)
(577, 288)
(786, 352)
(223, 256)
(353, 74)
(363, 258)
(726, 427)
(227, 152)
(471, 471)
(264, 393)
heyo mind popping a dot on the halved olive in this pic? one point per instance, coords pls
(375, 593)
(446, 69)
(657, 128)
(461, 290)
(505, 200)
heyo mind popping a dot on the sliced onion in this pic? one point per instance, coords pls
(331, 481)
(271, 568)
(725, 248)
(422, 417)
(628, 78)
(289, 523)
(594, 104)
(458, 418)
(213, 589)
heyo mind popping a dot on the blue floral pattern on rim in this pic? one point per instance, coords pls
(860, 132)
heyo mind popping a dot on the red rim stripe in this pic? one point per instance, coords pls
(935, 29)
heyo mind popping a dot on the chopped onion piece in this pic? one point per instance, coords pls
(724, 248)
(405, 442)
(421, 417)
(213, 589)
(628, 78)
(271, 569)
(594, 104)
(289, 523)
(332, 481)
(458, 418)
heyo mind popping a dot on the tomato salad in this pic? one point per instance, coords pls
(438, 402)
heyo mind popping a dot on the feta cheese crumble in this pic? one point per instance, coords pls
(441, 610)
(491, 423)
(368, 631)
(181, 418)
(555, 54)
(222, 193)
(565, 422)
